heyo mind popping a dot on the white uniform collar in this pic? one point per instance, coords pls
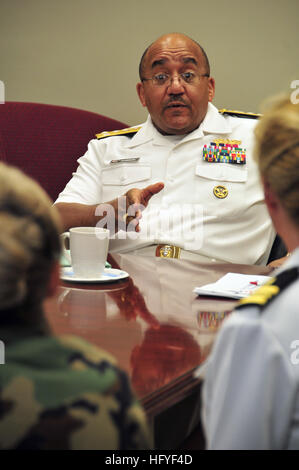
(213, 123)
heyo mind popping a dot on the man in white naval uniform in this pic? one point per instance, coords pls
(206, 209)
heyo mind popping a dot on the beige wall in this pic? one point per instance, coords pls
(85, 53)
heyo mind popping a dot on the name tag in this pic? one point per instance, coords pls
(125, 160)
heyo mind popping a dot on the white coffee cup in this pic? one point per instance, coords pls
(88, 249)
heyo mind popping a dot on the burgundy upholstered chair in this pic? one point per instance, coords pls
(45, 141)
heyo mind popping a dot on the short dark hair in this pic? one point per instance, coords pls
(142, 60)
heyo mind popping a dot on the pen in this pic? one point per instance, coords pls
(255, 283)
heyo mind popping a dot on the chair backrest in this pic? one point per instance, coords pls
(45, 141)
(278, 249)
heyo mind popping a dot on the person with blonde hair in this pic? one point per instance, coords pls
(251, 390)
(55, 392)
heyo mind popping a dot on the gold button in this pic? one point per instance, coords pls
(220, 191)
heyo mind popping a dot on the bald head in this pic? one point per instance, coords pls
(178, 106)
(166, 39)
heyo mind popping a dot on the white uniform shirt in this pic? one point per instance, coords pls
(186, 212)
(251, 388)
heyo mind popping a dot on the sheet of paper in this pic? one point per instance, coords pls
(233, 285)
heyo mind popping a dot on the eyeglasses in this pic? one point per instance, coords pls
(162, 79)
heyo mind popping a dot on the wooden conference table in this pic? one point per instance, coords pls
(156, 327)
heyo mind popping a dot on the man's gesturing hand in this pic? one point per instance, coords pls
(136, 201)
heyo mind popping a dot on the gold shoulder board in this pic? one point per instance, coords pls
(261, 296)
(239, 114)
(128, 132)
(266, 293)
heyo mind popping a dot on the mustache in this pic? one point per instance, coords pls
(175, 100)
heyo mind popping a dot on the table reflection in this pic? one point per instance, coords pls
(163, 355)
(152, 322)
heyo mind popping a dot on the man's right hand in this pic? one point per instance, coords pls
(137, 200)
(126, 210)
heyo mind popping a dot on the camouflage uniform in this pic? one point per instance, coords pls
(63, 393)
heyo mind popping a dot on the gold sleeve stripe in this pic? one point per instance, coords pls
(128, 130)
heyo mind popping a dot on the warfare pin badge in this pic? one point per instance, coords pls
(220, 191)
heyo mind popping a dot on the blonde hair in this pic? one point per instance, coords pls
(29, 241)
(277, 153)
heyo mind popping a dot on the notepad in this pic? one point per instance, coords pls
(233, 285)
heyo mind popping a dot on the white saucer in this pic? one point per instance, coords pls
(109, 275)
